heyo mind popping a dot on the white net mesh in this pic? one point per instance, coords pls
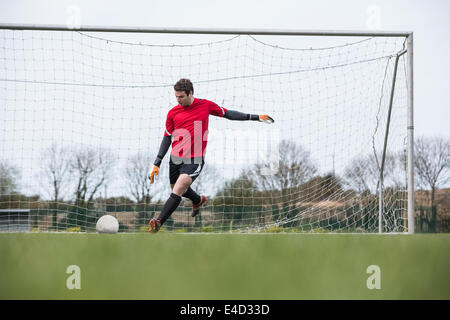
(82, 116)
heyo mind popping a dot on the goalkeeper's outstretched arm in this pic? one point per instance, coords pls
(236, 115)
(165, 144)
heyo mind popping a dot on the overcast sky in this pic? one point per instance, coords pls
(427, 19)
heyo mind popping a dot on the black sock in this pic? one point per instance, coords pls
(170, 206)
(192, 195)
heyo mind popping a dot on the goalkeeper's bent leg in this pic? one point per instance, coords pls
(192, 195)
(170, 206)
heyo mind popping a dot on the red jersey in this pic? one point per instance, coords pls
(188, 127)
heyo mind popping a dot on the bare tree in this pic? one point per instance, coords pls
(399, 171)
(56, 171)
(136, 177)
(294, 168)
(432, 163)
(55, 175)
(9, 175)
(363, 173)
(92, 168)
(282, 186)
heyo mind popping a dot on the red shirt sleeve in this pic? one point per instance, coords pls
(169, 125)
(215, 110)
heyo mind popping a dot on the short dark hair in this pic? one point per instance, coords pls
(184, 85)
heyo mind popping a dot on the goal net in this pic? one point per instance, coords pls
(82, 115)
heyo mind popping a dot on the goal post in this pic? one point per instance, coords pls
(83, 112)
(411, 189)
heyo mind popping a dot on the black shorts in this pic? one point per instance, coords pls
(191, 169)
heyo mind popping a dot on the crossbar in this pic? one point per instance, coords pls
(285, 32)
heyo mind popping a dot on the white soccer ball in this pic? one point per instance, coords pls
(107, 224)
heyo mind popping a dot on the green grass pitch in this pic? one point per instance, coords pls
(224, 266)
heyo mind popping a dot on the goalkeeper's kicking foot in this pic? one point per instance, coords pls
(154, 224)
(196, 207)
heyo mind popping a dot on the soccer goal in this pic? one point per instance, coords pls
(82, 114)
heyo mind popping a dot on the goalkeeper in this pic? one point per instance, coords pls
(187, 130)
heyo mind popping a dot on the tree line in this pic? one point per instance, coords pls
(77, 176)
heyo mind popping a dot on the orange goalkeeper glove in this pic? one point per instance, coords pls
(154, 173)
(266, 119)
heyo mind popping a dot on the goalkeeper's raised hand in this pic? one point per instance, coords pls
(236, 115)
(154, 173)
(265, 118)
